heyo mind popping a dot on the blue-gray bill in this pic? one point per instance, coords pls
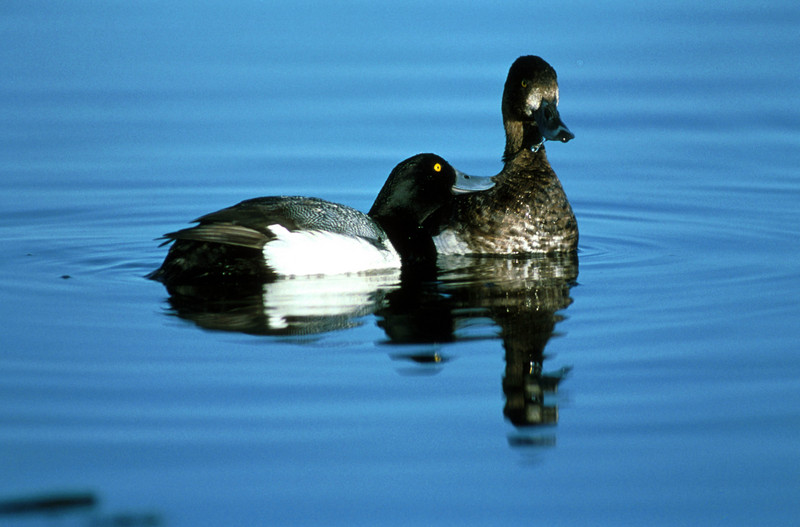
(465, 183)
(550, 124)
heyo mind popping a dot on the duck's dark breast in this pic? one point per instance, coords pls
(527, 212)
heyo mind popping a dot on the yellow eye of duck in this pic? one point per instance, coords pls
(524, 83)
(437, 167)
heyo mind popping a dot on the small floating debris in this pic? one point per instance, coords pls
(532, 441)
(423, 358)
(48, 503)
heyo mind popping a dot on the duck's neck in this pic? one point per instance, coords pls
(411, 241)
(521, 136)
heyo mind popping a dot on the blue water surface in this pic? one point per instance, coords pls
(672, 341)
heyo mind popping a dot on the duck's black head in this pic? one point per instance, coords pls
(415, 189)
(530, 101)
(419, 186)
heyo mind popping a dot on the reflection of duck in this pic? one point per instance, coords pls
(473, 297)
(527, 211)
(527, 315)
(522, 297)
(306, 305)
(264, 238)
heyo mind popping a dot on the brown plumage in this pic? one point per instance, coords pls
(527, 211)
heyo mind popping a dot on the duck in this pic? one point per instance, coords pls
(266, 238)
(527, 211)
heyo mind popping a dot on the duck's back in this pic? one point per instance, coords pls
(295, 213)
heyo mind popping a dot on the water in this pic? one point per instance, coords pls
(674, 339)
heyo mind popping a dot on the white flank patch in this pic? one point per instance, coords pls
(448, 243)
(305, 253)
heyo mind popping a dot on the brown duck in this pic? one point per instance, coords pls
(527, 211)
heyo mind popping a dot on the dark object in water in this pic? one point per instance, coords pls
(48, 503)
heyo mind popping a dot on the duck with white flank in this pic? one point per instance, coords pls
(264, 238)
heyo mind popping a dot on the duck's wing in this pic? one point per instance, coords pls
(250, 223)
(223, 233)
